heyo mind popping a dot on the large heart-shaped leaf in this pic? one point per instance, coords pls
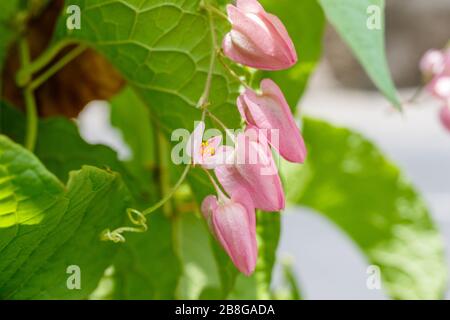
(163, 49)
(45, 227)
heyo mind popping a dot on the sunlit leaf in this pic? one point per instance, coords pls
(45, 227)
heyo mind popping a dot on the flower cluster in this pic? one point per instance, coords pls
(246, 171)
(435, 66)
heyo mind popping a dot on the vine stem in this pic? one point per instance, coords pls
(116, 235)
(202, 102)
(220, 123)
(32, 119)
(219, 191)
(168, 195)
(26, 71)
(57, 66)
(231, 71)
(30, 102)
(23, 79)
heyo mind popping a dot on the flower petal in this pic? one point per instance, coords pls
(440, 87)
(214, 142)
(224, 155)
(209, 205)
(234, 225)
(285, 39)
(254, 171)
(194, 143)
(251, 6)
(270, 111)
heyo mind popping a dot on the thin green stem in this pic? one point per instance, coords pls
(219, 191)
(57, 66)
(416, 94)
(231, 71)
(215, 11)
(32, 119)
(116, 235)
(24, 52)
(30, 103)
(220, 123)
(24, 74)
(168, 195)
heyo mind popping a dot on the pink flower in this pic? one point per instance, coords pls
(258, 39)
(233, 223)
(433, 62)
(210, 153)
(254, 170)
(445, 116)
(269, 110)
(440, 87)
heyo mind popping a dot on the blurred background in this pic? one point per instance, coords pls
(327, 263)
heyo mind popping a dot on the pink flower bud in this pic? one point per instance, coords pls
(233, 223)
(432, 63)
(269, 110)
(445, 117)
(258, 39)
(255, 171)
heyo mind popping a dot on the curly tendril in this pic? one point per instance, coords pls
(136, 218)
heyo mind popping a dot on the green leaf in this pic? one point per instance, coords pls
(46, 227)
(350, 19)
(163, 49)
(347, 179)
(305, 23)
